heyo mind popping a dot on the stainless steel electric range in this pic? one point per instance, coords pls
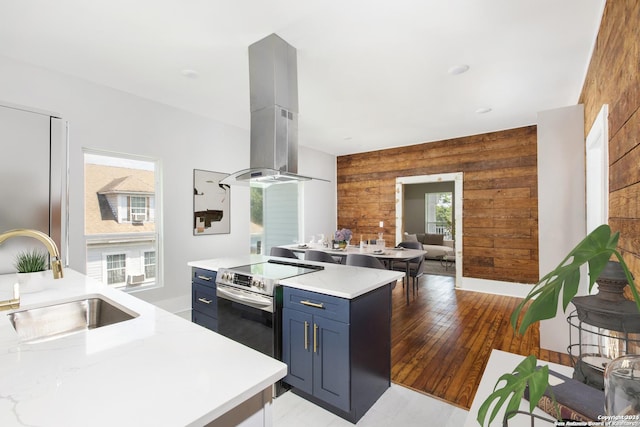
(250, 303)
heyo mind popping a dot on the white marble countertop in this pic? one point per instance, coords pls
(155, 370)
(337, 280)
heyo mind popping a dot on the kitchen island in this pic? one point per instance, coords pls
(156, 369)
(334, 326)
(337, 280)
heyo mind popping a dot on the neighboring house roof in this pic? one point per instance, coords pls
(129, 184)
(100, 180)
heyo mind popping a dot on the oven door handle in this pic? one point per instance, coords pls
(242, 298)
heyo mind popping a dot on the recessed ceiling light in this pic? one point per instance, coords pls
(191, 74)
(483, 110)
(458, 69)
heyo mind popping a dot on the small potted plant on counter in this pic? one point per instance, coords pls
(31, 265)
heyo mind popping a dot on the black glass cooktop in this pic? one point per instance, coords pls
(276, 269)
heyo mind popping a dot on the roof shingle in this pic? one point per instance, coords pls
(101, 179)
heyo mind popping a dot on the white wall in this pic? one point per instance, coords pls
(320, 198)
(105, 119)
(561, 202)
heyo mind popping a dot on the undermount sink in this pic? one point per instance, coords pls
(58, 320)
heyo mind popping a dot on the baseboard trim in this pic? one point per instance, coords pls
(497, 287)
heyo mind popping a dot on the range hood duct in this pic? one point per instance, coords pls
(273, 87)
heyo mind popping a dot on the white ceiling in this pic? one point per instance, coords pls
(371, 74)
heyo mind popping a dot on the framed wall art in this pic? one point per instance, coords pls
(210, 203)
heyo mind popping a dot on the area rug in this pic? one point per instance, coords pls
(435, 267)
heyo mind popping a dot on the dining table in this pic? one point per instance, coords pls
(387, 255)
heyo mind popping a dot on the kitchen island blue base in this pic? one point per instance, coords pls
(338, 350)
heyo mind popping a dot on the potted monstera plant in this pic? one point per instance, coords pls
(541, 303)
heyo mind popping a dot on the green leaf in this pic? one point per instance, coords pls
(515, 383)
(31, 261)
(541, 303)
(595, 250)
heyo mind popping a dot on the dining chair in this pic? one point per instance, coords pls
(282, 252)
(362, 260)
(416, 265)
(320, 256)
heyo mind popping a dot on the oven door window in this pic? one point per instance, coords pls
(247, 325)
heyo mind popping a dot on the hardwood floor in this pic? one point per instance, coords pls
(440, 343)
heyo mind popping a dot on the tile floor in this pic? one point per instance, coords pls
(398, 406)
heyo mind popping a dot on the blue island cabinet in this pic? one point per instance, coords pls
(338, 351)
(204, 307)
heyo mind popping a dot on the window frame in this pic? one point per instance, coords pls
(278, 201)
(145, 265)
(93, 242)
(143, 210)
(438, 227)
(107, 270)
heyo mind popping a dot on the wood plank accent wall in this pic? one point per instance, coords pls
(500, 205)
(613, 78)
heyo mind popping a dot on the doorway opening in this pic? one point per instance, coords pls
(404, 221)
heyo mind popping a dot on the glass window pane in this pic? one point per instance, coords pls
(120, 217)
(138, 208)
(116, 268)
(439, 213)
(279, 216)
(256, 224)
(150, 265)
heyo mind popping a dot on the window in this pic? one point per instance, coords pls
(438, 214)
(274, 215)
(149, 265)
(137, 209)
(121, 193)
(116, 268)
(256, 221)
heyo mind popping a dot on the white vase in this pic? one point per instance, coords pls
(31, 282)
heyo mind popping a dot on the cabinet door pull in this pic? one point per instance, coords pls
(207, 278)
(312, 304)
(306, 335)
(315, 338)
(204, 300)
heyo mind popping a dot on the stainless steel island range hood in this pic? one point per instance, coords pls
(273, 87)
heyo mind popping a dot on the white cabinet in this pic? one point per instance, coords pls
(254, 412)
